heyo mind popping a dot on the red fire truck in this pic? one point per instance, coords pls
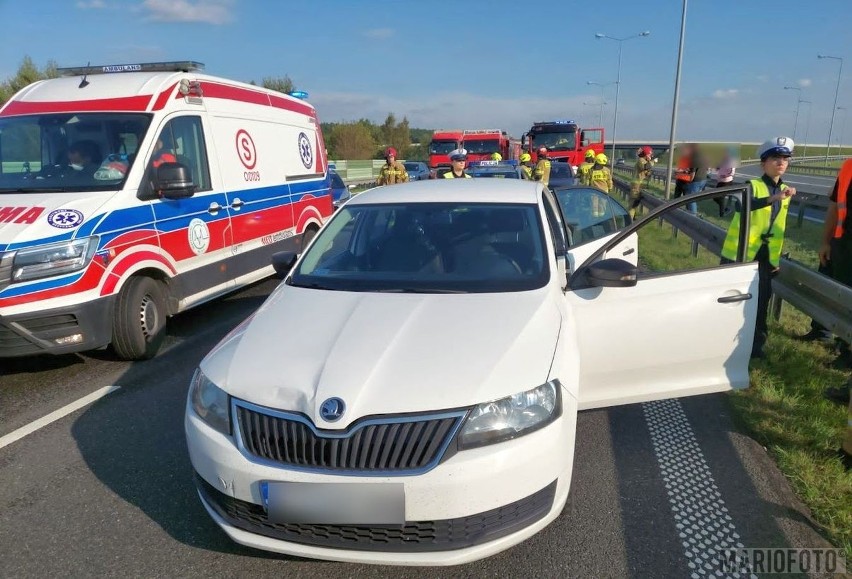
(565, 140)
(443, 141)
(482, 143)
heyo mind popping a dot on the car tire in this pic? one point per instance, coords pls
(308, 236)
(139, 319)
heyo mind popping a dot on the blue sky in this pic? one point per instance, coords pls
(484, 64)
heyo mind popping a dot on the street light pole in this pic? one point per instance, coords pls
(601, 85)
(675, 102)
(834, 108)
(842, 128)
(798, 102)
(807, 124)
(618, 80)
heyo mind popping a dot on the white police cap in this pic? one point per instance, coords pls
(779, 146)
(458, 155)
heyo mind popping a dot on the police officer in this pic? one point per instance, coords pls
(644, 165)
(458, 157)
(770, 198)
(585, 168)
(526, 166)
(600, 176)
(542, 168)
(392, 171)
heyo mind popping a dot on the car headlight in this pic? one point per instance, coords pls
(54, 259)
(512, 416)
(210, 402)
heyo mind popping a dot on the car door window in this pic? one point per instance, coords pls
(183, 139)
(589, 213)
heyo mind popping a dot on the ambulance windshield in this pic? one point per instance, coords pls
(69, 151)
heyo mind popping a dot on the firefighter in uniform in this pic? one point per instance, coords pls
(600, 177)
(526, 166)
(495, 156)
(770, 198)
(585, 167)
(542, 168)
(457, 158)
(392, 171)
(644, 165)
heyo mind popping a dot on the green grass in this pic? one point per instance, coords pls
(784, 409)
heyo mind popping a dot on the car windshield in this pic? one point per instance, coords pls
(428, 248)
(412, 166)
(442, 147)
(479, 146)
(68, 151)
(562, 141)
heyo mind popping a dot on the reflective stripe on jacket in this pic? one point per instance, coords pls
(759, 226)
(391, 174)
(843, 180)
(601, 178)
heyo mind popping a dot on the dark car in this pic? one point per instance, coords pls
(590, 213)
(340, 193)
(417, 170)
(494, 169)
(561, 175)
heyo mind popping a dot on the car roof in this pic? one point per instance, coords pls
(462, 190)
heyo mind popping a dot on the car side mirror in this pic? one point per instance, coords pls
(283, 262)
(173, 181)
(610, 273)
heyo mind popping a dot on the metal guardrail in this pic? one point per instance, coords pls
(814, 294)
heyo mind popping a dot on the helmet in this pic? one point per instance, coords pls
(525, 158)
(778, 147)
(601, 159)
(646, 151)
(390, 152)
(496, 157)
(590, 154)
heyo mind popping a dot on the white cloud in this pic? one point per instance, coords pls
(91, 4)
(725, 93)
(805, 82)
(379, 33)
(206, 11)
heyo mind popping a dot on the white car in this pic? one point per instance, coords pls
(409, 393)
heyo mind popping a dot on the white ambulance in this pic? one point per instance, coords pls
(130, 193)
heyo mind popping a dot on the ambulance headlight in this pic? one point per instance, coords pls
(54, 259)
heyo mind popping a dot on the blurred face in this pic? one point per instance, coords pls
(76, 159)
(458, 164)
(776, 165)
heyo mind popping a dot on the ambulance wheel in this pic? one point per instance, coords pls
(139, 319)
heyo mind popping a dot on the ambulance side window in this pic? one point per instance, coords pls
(182, 141)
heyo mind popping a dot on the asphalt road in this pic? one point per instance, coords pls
(818, 184)
(107, 490)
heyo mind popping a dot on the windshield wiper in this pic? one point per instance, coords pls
(33, 190)
(408, 290)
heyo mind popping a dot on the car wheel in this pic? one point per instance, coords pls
(139, 319)
(307, 236)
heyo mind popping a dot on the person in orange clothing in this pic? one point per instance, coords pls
(683, 171)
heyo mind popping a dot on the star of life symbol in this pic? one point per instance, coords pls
(65, 218)
(305, 150)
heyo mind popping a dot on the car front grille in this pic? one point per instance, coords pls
(411, 537)
(389, 445)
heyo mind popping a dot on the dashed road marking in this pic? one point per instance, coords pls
(23, 431)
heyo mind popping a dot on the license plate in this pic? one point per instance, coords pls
(334, 503)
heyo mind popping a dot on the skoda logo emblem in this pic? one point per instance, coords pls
(332, 409)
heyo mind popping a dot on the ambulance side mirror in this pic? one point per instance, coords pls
(174, 181)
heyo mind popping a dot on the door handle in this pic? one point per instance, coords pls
(214, 208)
(732, 299)
(629, 251)
(237, 203)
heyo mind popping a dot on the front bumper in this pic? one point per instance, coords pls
(475, 504)
(36, 332)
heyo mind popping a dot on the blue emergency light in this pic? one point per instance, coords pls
(299, 94)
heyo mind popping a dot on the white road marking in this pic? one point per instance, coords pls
(23, 431)
(704, 526)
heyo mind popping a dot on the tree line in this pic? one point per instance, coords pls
(361, 139)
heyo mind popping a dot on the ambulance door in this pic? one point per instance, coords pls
(195, 232)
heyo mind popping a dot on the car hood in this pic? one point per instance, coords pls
(36, 217)
(387, 353)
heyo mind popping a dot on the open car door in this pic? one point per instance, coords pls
(669, 330)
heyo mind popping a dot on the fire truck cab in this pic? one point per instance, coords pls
(482, 143)
(565, 140)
